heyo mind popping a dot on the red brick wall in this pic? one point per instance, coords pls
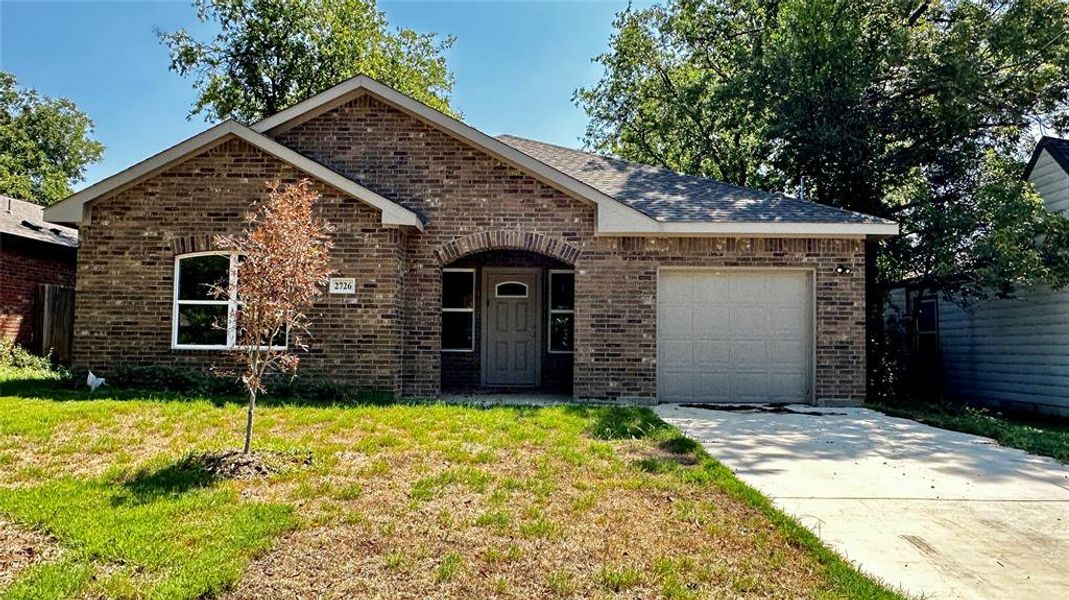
(616, 308)
(388, 335)
(23, 265)
(126, 270)
(457, 189)
(461, 191)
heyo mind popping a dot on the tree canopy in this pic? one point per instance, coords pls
(45, 144)
(270, 54)
(915, 110)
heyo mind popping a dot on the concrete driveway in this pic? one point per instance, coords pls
(936, 512)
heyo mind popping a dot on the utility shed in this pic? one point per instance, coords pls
(1015, 353)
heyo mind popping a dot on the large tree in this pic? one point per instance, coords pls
(45, 144)
(270, 54)
(919, 111)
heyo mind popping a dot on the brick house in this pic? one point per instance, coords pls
(467, 262)
(32, 252)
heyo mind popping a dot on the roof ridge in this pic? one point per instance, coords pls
(604, 156)
(773, 194)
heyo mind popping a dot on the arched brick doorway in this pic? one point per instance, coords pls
(507, 319)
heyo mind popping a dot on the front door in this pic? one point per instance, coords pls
(511, 331)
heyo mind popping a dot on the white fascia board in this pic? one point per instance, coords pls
(730, 229)
(492, 146)
(71, 209)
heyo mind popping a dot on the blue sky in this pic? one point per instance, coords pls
(516, 65)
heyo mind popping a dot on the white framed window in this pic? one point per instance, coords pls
(510, 289)
(458, 310)
(561, 312)
(200, 320)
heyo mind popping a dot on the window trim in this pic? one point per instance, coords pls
(497, 288)
(231, 302)
(561, 311)
(474, 303)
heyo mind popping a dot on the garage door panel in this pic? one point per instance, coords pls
(712, 383)
(709, 322)
(677, 321)
(749, 354)
(751, 285)
(748, 321)
(780, 287)
(787, 322)
(749, 387)
(709, 290)
(784, 385)
(710, 354)
(733, 336)
(678, 354)
(785, 352)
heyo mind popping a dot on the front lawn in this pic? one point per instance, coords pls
(400, 500)
(1046, 437)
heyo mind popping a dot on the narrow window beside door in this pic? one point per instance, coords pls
(458, 310)
(561, 311)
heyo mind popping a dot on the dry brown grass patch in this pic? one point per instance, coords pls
(22, 548)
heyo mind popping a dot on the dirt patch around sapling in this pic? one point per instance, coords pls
(233, 464)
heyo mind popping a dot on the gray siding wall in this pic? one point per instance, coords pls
(1013, 353)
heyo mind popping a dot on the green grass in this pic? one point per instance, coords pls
(1046, 437)
(168, 537)
(562, 501)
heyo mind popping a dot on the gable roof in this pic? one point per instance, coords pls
(362, 84)
(26, 220)
(1058, 148)
(72, 209)
(631, 199)
(667, 196)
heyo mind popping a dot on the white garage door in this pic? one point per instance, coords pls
(733, 336)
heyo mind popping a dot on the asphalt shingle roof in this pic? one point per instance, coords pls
(26, 220)
(667, 196)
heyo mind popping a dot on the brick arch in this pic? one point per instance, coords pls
(506, 240)
(200, 242)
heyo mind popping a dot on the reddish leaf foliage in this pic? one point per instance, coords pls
(283, 267)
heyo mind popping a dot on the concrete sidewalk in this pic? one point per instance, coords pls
(936, 512)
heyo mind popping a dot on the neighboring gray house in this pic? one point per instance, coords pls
(1010, 354)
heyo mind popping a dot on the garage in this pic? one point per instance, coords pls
(734, 336)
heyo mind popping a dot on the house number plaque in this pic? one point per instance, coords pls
(342, 285)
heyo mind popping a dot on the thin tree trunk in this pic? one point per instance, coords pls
(248, 422)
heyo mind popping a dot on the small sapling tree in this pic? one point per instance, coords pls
(282, 268)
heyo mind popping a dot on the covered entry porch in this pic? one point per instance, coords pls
(508, 325)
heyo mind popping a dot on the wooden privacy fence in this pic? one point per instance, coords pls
(54, 327)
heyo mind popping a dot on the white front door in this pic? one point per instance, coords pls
(727, 336)
(511, 327)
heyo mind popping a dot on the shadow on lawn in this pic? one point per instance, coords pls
(75, 390)
(149, 485)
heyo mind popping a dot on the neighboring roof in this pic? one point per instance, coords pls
(26, 220)
(71, 210)
(667, 196)
(1058, 148)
